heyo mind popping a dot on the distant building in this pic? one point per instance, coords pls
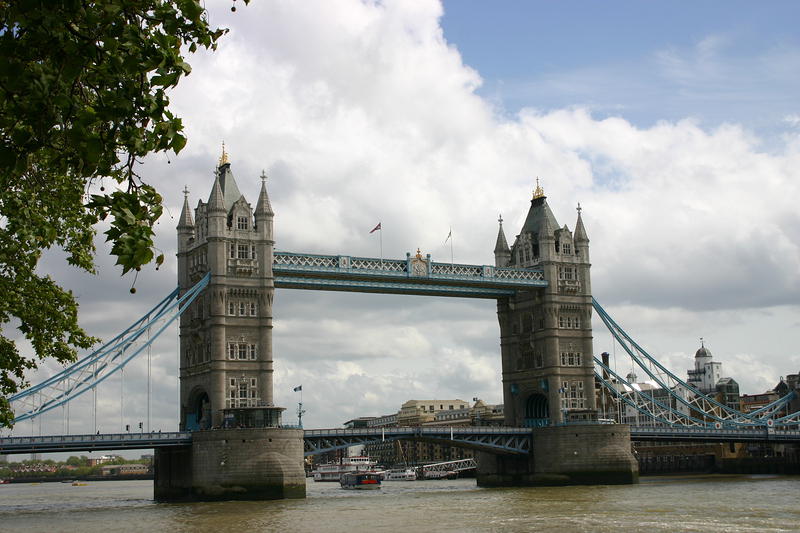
(360, 422)
(418, 412)
(124, 470)
(707, 378)
(102, 460)
(428, 413)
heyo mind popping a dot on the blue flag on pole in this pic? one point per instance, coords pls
(298, 388)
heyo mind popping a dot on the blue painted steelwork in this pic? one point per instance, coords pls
(414, 275)
(708, 410)
(500, 440)
(669, 434)
(390, 288)
(96, 367)
(102, 441)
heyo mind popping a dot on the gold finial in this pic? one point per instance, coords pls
(223, 159)
(538, 192)
(419, 254)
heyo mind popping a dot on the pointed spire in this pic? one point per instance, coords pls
(502, 245)
(538, 192)
(185, 220)
(263, 207)
(580, 231)
(223, 159)
(216, 202)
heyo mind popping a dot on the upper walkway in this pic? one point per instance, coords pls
(412, 275)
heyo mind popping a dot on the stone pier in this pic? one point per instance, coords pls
(585, 454)
(233, 464)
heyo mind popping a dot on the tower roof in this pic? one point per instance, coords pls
(227, 184)
(540, 217)
(185, 220)
(703, 351)
(263, 207)
(216, 202)
(502, 245)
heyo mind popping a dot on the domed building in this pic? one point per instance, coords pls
(707, 378)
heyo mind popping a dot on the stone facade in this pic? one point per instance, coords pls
(546, 335)
(233, 464)
(226, 335)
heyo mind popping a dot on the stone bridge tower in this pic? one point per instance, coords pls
(226, 335)
(546, 335)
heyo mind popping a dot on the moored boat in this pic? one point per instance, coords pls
(400, 474)
(334, 471)
(360, 480)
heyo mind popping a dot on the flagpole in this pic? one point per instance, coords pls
(381, 241)
(451, 247)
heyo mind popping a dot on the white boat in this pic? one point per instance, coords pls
(400, 474)
(334, 471)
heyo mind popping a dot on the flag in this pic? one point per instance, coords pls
(376, 228)
(449, 235)
(298, 388)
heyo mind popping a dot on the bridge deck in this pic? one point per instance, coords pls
(504, 440)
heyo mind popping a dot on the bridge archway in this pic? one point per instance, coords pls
(198, 411)
(537, 410)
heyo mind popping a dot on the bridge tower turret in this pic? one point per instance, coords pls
(226, 335)
(546, 335)
(502, 253)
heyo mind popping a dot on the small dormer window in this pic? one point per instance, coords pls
(566, 248)
(241, 223)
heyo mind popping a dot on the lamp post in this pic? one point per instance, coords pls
(300, 410)
(477, 412)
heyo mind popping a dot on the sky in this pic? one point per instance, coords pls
(675, 125)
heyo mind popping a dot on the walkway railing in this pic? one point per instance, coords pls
(496, 439)
(413, 275)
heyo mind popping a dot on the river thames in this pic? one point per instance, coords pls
(694, 503)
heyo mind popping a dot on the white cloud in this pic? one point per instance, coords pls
(362, 112)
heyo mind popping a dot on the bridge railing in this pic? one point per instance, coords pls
(288, 262)
(438, 430)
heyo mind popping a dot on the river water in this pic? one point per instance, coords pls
(696, 503)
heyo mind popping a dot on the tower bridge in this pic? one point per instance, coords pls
(232, 443)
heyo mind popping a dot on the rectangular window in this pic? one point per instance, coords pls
(243, 251)
(566, 248)
(242, 351)
(232, 248)
(253, 309)
(231, 351)
(242, 309)
(241, 223)
(231, 308)
(253, 353)
(233, 382)
(252, 252)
